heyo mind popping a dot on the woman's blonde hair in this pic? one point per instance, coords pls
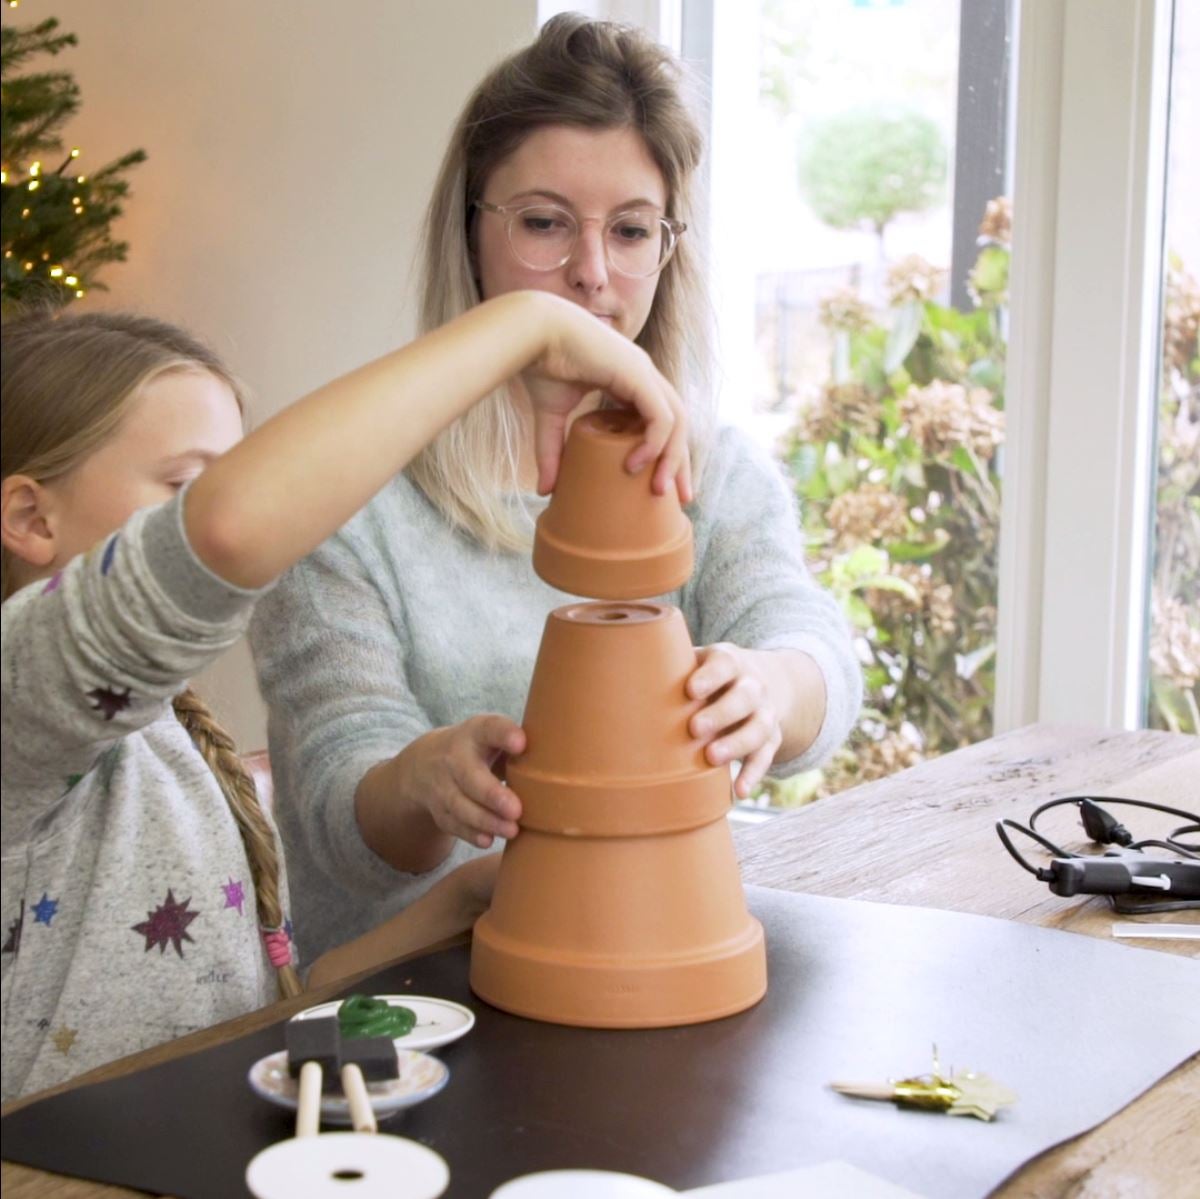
(591, 75)
(68, 382)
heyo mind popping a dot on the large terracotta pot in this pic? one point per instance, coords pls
(619, 904)
(605, 533)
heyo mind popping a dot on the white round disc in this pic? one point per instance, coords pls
(347, 1165)
(581, 1184)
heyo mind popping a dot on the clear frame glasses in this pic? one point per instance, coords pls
(542, 237)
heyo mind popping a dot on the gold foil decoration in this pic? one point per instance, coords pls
(963, 1093)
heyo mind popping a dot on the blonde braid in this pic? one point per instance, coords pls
(217, 749)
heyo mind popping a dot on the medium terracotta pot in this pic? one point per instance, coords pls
(619, 904)
(605, 533)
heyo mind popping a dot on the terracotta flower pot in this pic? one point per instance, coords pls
(605, 533)
(620, 903)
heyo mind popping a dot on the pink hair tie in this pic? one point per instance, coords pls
(279, 947)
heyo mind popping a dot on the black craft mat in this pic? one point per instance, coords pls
(857, 991)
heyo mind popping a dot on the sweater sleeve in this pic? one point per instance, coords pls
(332, 668)
(751, 586)
(98, 651)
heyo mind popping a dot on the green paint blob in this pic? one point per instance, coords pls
(366, 1016)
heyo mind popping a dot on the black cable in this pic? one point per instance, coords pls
(1173, 846)
(1116, 833)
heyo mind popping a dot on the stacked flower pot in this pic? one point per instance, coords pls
(619, 904)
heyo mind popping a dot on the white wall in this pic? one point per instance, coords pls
(292, 147)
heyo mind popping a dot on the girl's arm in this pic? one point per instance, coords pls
(288, 486)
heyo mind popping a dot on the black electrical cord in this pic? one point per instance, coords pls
(1104, 829)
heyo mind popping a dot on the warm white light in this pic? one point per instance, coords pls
(70, 281)
(34, 184)
(56, 272)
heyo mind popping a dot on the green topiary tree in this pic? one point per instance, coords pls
(861, 168)
(54, 223)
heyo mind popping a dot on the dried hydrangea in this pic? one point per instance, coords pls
(932, 602)
(871, 513)
(1181, 321)
(996, 226)
(844, 311)
(913, 279)
(841, 408)
(1174, 643)
(943, 416)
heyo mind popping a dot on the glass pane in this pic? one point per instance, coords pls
(880, 247)
(1174, 643)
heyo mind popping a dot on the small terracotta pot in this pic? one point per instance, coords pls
(605, 533)
(619, 904)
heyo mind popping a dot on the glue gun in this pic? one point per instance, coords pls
(1122, 874)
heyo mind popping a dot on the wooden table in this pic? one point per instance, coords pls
(926, 837)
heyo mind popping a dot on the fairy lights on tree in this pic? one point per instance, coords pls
(55, 223)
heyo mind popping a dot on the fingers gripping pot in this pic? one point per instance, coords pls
(619, 904)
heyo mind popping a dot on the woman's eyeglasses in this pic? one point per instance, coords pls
(543, 237)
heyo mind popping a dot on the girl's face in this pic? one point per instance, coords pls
(596, 174)
(175, 427)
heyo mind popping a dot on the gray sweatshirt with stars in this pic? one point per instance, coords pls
(399, 624)
(128, 907)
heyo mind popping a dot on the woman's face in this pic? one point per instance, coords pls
(596, 174)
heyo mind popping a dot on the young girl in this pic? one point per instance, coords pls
(143, 895)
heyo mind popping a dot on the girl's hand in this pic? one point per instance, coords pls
(582, 355)
(452, 773)
(740, 717)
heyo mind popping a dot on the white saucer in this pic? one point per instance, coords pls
(420, 1077)
(348, 1165)
(439, 1021)
(581, 1184)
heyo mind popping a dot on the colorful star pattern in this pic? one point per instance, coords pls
(110, 552)
(44, 910)
(13, 944)
(55, 579)
(168, 922)
(109, 701)
(235, 895)
(64, 1038)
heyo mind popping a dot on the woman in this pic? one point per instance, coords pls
(396, 659)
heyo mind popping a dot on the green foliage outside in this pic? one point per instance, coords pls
(1175, 586)
(895, 469)
(862, 168)
(55, 221)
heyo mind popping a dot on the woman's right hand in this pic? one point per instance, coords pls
(452, 773)
(582, 355)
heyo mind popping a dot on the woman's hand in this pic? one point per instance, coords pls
(759, 705)
(452, 773)
(740, 717)
(583, 355)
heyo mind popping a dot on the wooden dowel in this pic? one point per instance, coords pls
(361, 1112)
(308, 1109)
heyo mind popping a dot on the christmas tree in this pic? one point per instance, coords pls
(55, 223)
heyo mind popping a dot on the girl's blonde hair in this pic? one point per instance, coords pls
(585, 74)
(68, 382)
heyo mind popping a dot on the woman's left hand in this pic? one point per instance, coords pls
(740, 717)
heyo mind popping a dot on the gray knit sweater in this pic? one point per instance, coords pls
(128, 905)
(398, 624)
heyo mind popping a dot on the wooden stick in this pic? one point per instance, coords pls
(308, 1108)
(864, 1090)
(355, 1089)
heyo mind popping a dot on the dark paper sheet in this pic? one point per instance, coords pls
(1078, 1027)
